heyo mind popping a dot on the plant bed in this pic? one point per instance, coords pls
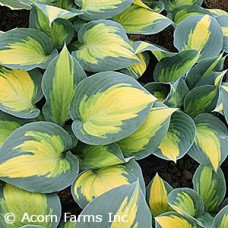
(178, 174)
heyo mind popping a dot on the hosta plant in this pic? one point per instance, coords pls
(74, 112)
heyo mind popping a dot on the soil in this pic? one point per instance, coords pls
(179, 174)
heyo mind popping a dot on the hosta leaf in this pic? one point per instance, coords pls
(95, 52)
(35, 159)
(218, 12)
(203, 69)
(139, 20)
(173, 219)
(157, 195)
(202, 33)
(137, 70)
(205, 220)
(8, 124)
(23, 204)
(54, 13)
(95, 157)
(171, 5)
(159, 89)
(221, 219)
(93, 183)
(201, 99)
(157, 6)
(102, 9)
(98, 112)
(223, 21)
(126, 203)
(25, 49)
(15, 4)
(59, 84)
(177, 93)
(210, 147)
(183, 12)
(224, 98)
(65, 4)
(179, 138)
(186, 202)
(148, 137)
(211, 186)
(158, 52)
(171, 68)
(60, 30)
(20, 90)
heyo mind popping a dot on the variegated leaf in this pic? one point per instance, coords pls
(149, 136)
(139, 20)
(201, 99)
(221, 219)
(35, 158)
(202, 33)
(25, 49)
(171, 68)
(8, 124)
(24, 205)
(102, 9)
(171, 5)
(137, 70)
(211, 186)
(173, 219)
(159, 89)
(187, 202)
(224, 100)
(98, 112)
(20, 90)
(65, 4)
(126, 204)
(95, 52)
(59, 84)
(223, 21)
(179, 138)
(60, 30)
(203, 69)
(157, 196)
(15, 4)
(93, 183)
(210, 146)
(96, 157)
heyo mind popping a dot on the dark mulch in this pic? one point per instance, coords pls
(179, 174)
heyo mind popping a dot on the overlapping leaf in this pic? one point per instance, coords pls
(35, 158)
(102, 9)
(149, 136)
(203, 69)
(59, 84)
(95, 157)
(24, 205)
(157, 195)
(127, 203)
(15, 4)
(171, 68)
(171, 5)
(95, 52)
(8, 124)
(210, 185)
(173, 219)
(221, 219)
(202, 33)
(25, 49)
(93, 183)
(108, 107)
(223, 21)
(210, 146)
(60, 30)
(179, 138)
(140, 20)
(20, 90)
(186, 202)
(137, 70)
